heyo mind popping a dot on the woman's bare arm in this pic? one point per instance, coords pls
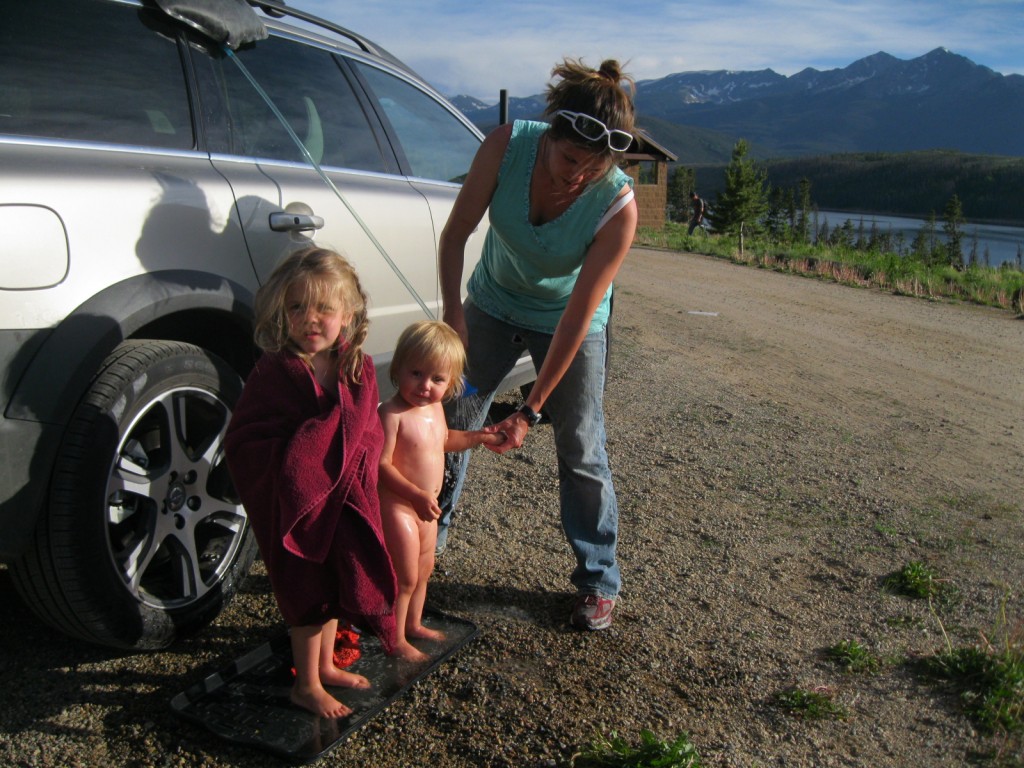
(600, 266)
(466, 215)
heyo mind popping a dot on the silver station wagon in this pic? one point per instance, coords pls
(151, 176)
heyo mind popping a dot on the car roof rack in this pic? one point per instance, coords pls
(278, 8)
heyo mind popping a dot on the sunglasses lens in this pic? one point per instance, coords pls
(619, 141)
(588, 127)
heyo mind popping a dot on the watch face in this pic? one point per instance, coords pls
(532, 418)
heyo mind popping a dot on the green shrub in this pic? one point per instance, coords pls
(920, 581)
(817, 704)
(615, 752)
(853, 656)
(990, 684)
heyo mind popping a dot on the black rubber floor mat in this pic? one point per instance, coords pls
(247, 702)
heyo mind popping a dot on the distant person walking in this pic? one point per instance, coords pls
(698, 210)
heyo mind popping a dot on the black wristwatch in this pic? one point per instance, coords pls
(531, 416)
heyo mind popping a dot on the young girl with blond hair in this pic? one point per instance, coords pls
(303, 448)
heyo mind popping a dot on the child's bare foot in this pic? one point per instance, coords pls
(406, 652)
(423, 633)
(318, 701)
(342, 679)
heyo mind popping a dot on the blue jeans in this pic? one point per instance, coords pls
(590, 513)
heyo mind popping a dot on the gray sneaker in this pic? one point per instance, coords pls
(592, 612)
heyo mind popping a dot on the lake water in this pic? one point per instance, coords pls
(1002, 242)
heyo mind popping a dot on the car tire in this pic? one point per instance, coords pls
(144, 539)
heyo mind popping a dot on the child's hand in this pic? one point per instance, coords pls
(426, 506)
(494, 438)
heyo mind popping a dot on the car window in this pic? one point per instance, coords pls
(436, 144)
(92, 71)
(309, 89)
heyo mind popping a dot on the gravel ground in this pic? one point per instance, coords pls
(780, 446)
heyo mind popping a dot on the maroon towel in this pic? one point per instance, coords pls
(305, 466)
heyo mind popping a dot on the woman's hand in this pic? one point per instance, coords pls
(514, 428)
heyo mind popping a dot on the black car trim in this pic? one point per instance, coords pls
(70, 356)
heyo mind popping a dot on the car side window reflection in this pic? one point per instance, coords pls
(57, 83)
(308, 88)
(436, 144)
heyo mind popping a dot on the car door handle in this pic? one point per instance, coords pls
(283, 221)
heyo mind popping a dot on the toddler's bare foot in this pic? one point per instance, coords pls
(318, 701)
(423, 633)
(406, 652)
(342, 679)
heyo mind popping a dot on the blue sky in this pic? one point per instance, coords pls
(481, 46)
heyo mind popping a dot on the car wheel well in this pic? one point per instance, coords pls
(227, 335)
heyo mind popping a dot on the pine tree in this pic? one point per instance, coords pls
(952, 225)
(824, 236)
(774, 220)
(790, 200)
(681, 183)
(803, 225)
(842, 236)
(743, 203)
(862, 242)
(924, 246)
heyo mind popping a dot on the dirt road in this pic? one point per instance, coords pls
(888, 369)
(780, 446)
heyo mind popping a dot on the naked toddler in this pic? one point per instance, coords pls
(426, 370)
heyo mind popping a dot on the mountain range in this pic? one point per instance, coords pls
(880, 103)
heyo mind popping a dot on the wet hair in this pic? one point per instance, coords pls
(431, 343)
(326, 278)
(599, 93)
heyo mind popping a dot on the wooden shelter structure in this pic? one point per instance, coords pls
(646, 162)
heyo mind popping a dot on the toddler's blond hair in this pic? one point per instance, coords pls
(431, 342)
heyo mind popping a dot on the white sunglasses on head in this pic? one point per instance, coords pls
(593, 129)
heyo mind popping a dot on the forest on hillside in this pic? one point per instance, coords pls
(916, 184)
